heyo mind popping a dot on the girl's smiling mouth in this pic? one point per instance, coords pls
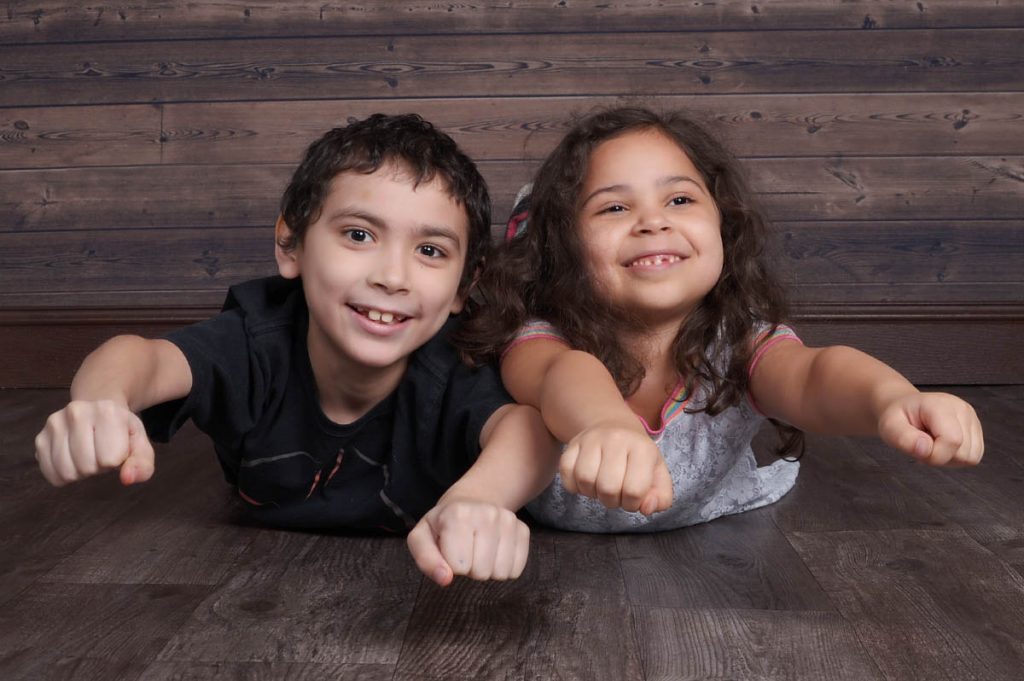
(655, 261)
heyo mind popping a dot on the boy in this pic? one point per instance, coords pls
(331, 393)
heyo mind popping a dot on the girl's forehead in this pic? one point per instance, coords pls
(636, 153)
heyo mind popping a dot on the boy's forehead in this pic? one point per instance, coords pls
(373, 192)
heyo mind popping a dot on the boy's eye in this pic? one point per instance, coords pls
(357, 235)
(431, 251)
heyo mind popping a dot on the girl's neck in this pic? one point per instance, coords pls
(661, 375)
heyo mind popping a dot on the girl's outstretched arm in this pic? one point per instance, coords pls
(842, 391)
(609, 455)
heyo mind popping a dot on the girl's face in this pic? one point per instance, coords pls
(650, 228)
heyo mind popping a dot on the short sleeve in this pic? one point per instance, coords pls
(535, 329)
(768, 337)
(225, 377)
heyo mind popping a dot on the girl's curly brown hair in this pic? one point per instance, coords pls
(543, 272)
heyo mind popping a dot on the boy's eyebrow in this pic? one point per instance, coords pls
(440, 232)
(624, 187)
(422, 231)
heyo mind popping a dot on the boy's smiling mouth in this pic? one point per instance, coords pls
(380, 316)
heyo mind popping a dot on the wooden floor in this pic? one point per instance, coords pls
(872, 568)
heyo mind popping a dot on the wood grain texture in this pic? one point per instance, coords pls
(807, 189)
(266, 671)
(511, 65)
(506, 128)
(889, 602)
(54, 628)
(59, 20)
(930, 604)
(295, 598)
(739, 562)
(750, 644)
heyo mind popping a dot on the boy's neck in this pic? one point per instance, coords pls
(348, 391)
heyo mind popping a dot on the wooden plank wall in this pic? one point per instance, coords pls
(144, 146)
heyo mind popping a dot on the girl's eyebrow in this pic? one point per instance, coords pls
(665, 181)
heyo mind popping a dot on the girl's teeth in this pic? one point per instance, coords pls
(374, 315)
(387, 317)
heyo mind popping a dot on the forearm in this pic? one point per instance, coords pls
(127, 370)
(846, 392)
(578, 392)
(517, 461)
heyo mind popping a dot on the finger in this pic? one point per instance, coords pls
(426, 554)
(44, 456)
(900, 434)
(63, 466)
(979, 441)
(485, 549)
(637, 483)
(567, 466)
(141, 461)
(82, 449)
(456, 543)
(610, 478)
(663, 485)
(522, 548)
(505, 553)
(947, 438)
(588, 464)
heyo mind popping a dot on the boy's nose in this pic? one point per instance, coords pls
(391, 274)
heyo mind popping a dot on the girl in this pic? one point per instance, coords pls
(638, 314)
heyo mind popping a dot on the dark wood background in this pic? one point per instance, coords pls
(143, 147)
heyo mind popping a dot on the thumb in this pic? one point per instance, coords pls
(660, 496)
(141, 461)
(425, 552)
(909, 439)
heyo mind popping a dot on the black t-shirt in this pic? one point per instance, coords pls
(254, 394)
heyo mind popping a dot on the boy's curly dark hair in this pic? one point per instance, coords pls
(543, 272)
(407, 141)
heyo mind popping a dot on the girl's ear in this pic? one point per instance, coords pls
(287, 258)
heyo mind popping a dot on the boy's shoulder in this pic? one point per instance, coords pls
(266, 305)
(438, 355)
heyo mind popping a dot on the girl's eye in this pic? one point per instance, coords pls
(431, 251)
(681, 200)
(616, 208)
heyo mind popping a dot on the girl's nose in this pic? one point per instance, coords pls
(650, 222)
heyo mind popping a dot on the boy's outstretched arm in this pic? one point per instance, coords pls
(842, 391)
(473, 530)
(609, 455)
(99, 430)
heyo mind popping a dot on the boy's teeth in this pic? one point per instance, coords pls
(378, 316)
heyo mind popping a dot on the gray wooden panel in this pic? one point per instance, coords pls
(80, 136)
(751, 644)
(901, 188)
(59, 20)
(937, 584)
(511, 128)
(423, 66)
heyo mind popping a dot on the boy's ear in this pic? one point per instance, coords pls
(466, 293)
(287, 262)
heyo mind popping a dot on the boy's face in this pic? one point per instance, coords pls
(380, 269)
